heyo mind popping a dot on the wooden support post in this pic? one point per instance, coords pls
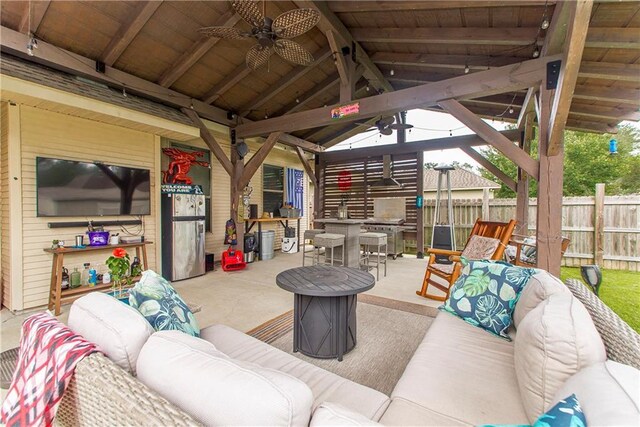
(346, 67)
(235, 193)
(318, 197)
(485, 204)
(549, 222)
(496, 171)
(522, 186)
(598, 226)
(420, 210)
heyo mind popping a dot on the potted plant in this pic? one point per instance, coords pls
(118, 264)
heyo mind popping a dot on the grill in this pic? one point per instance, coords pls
(394, 231)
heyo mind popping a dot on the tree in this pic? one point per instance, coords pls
(586, 162)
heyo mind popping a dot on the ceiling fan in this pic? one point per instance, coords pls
(386, 125)
(272, 35)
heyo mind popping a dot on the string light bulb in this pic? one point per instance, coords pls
(392, 72)
(31, 44)
(510, 110)
(266, 116)
(466, 69)
(368, 88)
(544, 24)
(536, 52)
(297, 100)
(124, 92)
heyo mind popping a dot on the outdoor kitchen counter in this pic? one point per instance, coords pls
(350, 228)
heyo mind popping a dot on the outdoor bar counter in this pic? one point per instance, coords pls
(351, 230)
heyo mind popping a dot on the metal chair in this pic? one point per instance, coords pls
(368, 241)
(328, 241)
(526, 251)
(309, 235)
(487, 240)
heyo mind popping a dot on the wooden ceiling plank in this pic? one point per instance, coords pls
(515, 36)
(329, 21)
(610, 71)
(307, 166)
(378, 6)
(14, 42)
(599, 111)
(256, 160)
(497, 80)
(474, 62)
(286, 80)
(573, 48)
(492, 136)
(196, 51)
(33, 15)
(128, 31)
(613, 38)
(587, 126)
(413, 146)
(319, 89)
(227, 83)
(210, 140)
(607, 94)
(485, 163)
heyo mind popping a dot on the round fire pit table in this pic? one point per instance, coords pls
(324, 310)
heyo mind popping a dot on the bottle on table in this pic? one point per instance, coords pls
(93, 276)
(64, 280)
(85, 274)
(136, 269)
(76, 278)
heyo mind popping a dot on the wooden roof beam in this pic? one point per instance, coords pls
(240, 72)
(485, 163)
(497, 80)
(377, 6)
(195, 52)
(571, 58)
(307, 166)
(414, 146)
(210, 140)
(128, 31)
(256, 160)
(492, 136)
(319, 89)
(286, 80)
(32, 16)
(329, 21)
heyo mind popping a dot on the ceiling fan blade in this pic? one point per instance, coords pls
(386, 121)
(386, 131)
(293, 52)
(228, 33)
(400, 126)
(295, 22)
(258, 56)
(250, 11)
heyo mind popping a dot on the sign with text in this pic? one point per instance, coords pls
(181, 189)
(352, 109)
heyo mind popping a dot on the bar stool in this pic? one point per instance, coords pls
(377, 240)
(309, 235)
(328, 241)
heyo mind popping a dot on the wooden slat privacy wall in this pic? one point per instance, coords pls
(359, 198)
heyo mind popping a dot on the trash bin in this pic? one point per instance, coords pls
(250, 246)
(266, 244)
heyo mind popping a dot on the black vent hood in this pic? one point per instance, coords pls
(387, 179)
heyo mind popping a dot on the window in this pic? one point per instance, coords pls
(201, 176)
(272, 188)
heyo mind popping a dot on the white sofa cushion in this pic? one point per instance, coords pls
(402, 412)
(539, 287)
(118, 330)
(462, 373)
(609, 393)
(555, 340)
(217, 390)
(326, 386)
(332, 414)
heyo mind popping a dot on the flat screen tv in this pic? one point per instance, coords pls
(70, 188)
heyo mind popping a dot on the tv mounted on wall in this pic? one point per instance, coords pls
(71, 188)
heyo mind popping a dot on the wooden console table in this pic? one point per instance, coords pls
(58, 296)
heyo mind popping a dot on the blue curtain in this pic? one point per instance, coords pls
(295, 188)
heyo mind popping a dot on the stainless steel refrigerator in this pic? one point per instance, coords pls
(183, 227)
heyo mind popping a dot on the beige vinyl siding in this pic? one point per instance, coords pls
(5, 229)
(50, 134)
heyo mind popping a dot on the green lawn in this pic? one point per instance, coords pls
(620, 290)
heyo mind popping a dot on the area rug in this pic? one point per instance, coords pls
(389, 332)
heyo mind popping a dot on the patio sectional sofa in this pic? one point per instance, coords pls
(459, 375)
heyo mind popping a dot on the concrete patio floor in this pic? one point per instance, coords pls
(248, 298)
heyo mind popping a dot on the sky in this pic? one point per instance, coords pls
(427, 125)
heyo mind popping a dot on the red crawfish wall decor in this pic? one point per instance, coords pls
(181, 162)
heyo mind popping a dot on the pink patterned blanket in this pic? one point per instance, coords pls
(49, 352)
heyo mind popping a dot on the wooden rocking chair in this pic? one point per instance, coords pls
(487, 240)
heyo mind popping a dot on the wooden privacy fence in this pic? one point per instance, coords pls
(617, 228)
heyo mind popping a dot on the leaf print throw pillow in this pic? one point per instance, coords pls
(486, 293)
(155, 298)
